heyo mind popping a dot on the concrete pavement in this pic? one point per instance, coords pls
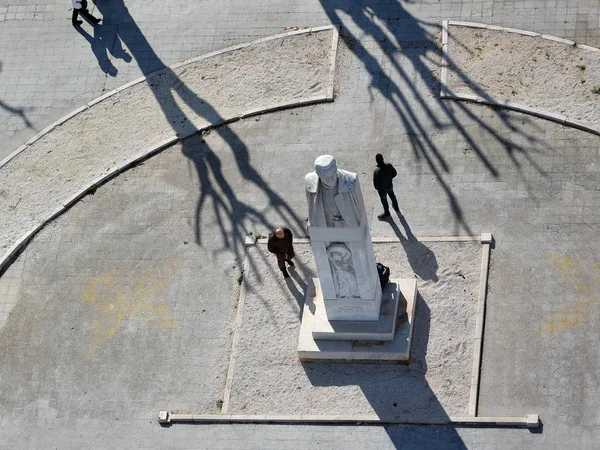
(48, 68)
(162, 244)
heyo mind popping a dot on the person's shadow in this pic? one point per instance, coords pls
(421, 259)
(298, 284)
(105, 41)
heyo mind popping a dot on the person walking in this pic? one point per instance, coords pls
(383, 175)
(280, 243)
(80, 7)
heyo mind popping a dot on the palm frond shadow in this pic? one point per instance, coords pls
(235, 218)
(402, 55)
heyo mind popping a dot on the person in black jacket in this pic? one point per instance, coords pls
(280, 243)
(382, 180)
(80, 7)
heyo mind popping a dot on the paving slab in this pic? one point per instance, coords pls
(532, 183)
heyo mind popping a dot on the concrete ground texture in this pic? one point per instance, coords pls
(269, 379)
(526, 70)
(126, 303)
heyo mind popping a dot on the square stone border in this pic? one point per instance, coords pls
(166, 418)
(487, 241)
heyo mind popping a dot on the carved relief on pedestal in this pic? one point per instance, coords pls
(344, 276)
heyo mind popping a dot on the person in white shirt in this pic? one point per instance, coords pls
(80, 7)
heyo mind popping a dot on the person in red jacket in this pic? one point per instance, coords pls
(382, 180)
(280, 243)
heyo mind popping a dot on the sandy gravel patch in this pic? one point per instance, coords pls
(169, 104)
(542, 74)
(269, 379)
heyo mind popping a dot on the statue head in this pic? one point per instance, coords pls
(326, 169)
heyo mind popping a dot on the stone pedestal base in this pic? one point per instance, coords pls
(357, 310)
(361, 341)
(383, 329)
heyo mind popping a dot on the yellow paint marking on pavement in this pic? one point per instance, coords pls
(117, 303)
(585, 279)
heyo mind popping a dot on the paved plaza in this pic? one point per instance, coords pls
(126, 303)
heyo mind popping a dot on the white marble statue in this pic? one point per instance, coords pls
(339, 236)
(332, 195)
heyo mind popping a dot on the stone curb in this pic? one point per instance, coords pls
(487, 241)
(236, 336)
(445, 93)
(22, 242)
(334, 45)
(444, 73)
(529, 421)
(524, 109)
(6, 259)
(97, 100)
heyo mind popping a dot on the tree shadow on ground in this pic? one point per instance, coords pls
(235, 218)
(395, 392)
(401, 54)
(15, 111)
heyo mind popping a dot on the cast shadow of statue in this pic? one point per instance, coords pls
(105, 41)
(420, 257)
(394, 392)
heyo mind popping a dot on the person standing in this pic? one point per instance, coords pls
(280, 243)
(80, 7)
(382, 180)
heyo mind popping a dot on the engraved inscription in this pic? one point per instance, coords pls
(350, 309)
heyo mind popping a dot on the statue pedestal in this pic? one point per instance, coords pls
(366, 305)
(352, 309)
(385, 340)
(346, 314)
(382, 329)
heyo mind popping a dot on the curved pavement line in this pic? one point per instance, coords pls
(248, 113)
(17, 246)
(446, 94)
